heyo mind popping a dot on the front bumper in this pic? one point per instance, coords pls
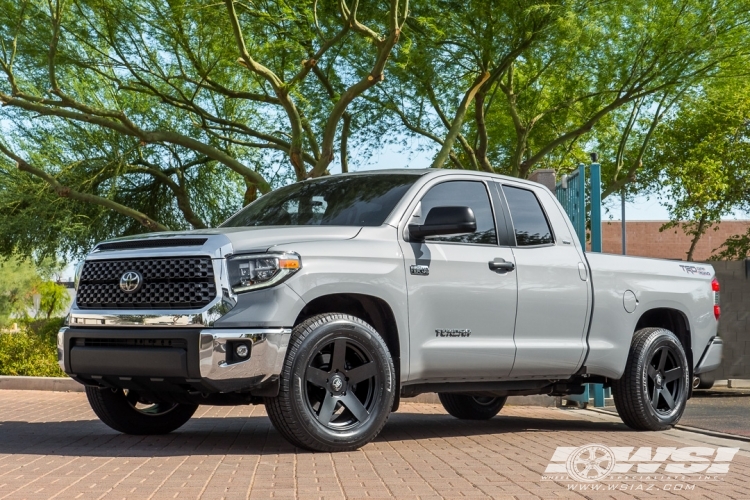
(175, 359)
(711, 358)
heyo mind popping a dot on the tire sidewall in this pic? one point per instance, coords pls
(382, 396)
(662, 338)
(492, 408)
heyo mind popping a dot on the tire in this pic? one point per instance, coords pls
(468, 407)
(652, 393)
(120, 412)
(704, 381)
(336, 386)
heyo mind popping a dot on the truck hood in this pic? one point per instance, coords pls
(244, 239)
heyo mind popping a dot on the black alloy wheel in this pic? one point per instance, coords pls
(665, 381)
(126, 411)
(147, 408)
(341, 380)
(653, 390)
(336, 386)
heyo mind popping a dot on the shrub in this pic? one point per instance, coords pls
(32, 351)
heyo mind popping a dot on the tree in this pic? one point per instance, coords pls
(124, 116)
(54, 299)
(20, 281)
(703, 154)
(541, 75)
(141, 107)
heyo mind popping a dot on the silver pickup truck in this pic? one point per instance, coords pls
(329, 299)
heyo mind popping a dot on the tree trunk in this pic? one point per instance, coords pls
(696, 237)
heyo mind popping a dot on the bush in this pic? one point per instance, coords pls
(32, 351)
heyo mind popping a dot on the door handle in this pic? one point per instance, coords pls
(501, 265)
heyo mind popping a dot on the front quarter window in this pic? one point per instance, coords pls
(349, 200)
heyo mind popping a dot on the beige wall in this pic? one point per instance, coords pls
(645, 240)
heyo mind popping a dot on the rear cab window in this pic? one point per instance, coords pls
(530, 223)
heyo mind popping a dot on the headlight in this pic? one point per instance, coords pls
(250, 272)
(77, 274)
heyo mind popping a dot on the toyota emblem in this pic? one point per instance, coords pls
(130, 281)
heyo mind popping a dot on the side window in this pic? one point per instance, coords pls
(528, 218)
(470, 194)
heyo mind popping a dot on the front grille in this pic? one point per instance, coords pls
(167, 283)
(145, 343)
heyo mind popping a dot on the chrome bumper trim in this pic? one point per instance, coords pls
(61, 347)
(711, 358)
(266, 357)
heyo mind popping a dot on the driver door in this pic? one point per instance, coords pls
(461, 312)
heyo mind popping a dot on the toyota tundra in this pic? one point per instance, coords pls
(330, 299)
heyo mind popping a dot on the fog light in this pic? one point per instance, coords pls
(242, 351)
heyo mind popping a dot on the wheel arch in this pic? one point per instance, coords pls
(373, 310)
(673, 320)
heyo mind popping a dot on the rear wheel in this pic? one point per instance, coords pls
(125, 411)
(336, 386)
(653, 391)
(467, 407)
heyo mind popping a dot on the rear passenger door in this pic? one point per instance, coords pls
(553, 294)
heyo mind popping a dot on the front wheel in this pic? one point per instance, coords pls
(127, 412)
(336, 386)
(652, 393)
(467, 407)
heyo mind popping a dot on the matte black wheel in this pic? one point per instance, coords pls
(653, 391)
(127, 412)
(337, 385)
(468, 407)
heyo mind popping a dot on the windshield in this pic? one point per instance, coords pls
(356, 200)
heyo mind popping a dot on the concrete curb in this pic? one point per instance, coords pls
(60, 384)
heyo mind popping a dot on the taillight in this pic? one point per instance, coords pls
(715, 287)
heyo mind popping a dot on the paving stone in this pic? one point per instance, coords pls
(52, 446)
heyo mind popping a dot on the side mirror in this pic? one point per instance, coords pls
(445, 220)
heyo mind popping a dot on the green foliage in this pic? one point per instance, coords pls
(703, 151)
(20, 281)
(31, 352)
(564, 77)
(121, 117)
(54, 299)
(125, 116)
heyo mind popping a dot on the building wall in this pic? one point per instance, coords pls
(645, 240)
(734, 325)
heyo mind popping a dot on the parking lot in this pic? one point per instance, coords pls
(52, 446)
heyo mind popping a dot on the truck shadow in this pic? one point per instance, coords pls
(255, 435)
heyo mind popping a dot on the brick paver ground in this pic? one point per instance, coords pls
(52, 446)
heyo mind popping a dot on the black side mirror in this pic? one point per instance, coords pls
(445, 220)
